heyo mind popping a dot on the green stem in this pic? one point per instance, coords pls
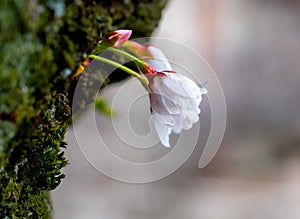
(123, 68)
(126, 54)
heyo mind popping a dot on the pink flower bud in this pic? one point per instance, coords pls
(116, 38)
(124, 36)
(139, 50)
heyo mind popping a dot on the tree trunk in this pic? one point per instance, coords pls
(42, 45)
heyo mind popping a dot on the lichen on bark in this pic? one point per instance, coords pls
(42, 44)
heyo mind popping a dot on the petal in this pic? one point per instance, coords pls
(177, 127)
(125, 34)
(170, 100)
(167, 101)
(159, 62)
(189, 118)
(162, 105)
(184, 121)
(203, 89)
(182, 86)
(163, 128)
(194, 105)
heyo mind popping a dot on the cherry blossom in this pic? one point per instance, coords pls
(174, 98)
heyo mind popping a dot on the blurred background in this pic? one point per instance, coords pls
(254, 48)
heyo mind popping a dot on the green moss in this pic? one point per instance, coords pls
(34, 165)
(42, 43)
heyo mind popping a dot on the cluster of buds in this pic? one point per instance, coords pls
(174, 98)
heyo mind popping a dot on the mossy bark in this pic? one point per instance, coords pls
(42, 44)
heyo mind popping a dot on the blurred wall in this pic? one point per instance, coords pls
(254, 48)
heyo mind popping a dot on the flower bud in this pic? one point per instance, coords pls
(139, 50)
(115, 39)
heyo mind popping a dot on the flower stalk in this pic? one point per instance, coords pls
(127, 55)
(142, 79)
(144, 67)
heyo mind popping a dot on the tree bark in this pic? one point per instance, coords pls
(42, 45)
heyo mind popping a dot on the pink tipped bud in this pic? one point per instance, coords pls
(116, 38)
(125, 34)
(139, 50)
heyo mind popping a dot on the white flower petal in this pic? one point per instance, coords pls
(184, 121)
(178, 102)
(177, 127)
(174, 98)
(182, 86)
(162, 105)
(189, 118)
(203, 89)
(163, 128)
(160, 62)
